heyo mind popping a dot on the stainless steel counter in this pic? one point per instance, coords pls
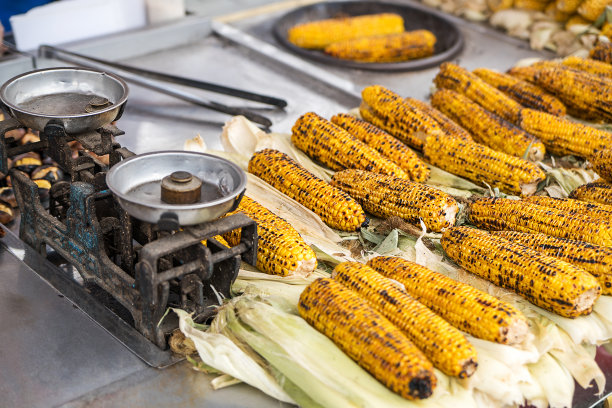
(53, 354)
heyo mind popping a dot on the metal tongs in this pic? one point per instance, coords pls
(150, 79)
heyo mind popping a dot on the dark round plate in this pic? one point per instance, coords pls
(449, 39)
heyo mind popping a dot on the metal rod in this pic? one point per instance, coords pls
(156, 86)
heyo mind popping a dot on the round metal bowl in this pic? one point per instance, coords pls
(449, 39)
(136, 184)
(73, 96)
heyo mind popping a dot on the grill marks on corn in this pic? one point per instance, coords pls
(385, 144)
(602, 163)
(319, 34)
(336, 208)
(443, 344)
(523, 92)
(598, 191)
(388, 111)
(504, 214)
(280, 249)
(328, 143)
(591, 66)
(602, 52)
(448, 126)
(460, 80)
(462, 305)
(367, 337)
(487, 128)
(386, 196)
(482, 164)
(385, 48)
(547, 282)
(572, 206)
(595, 259)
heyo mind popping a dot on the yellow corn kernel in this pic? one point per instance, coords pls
(445, 346)
(319, 34)
(385, 144)
(334, 206)
(547, 282)
(534, 5)
(367, 337)
(592, 9)
(557, 15)
(450, 128)
(602, 163)
(486, 128)
(571, 206)
(595, 259)
(483, 165)
(598, 191)
(602, 52)
(589, 65)
(567, 6)
(387, 196)
(498, 214)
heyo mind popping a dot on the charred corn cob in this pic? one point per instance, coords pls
(561, 136)
(497, 5)
(592, 9)
(572, 206)
(367, 337)
(385, 144)
(386, 196)
(445, 346)
(388, 111)
(589, 96)
(319, 34)
(534, 5)
(487, 128)
(330, 144)
(280, 249)
(589, 65)
(219, 239)
(500, 214)
(602, 163)
(602, 52)
(557, 15)
(567, 6)
(547, 282)
(483, 165)
(596, 192)
(595, 259)
(527, 74)
(334, 206)
(576, 19)
(523, 92)
(460, 80)
(463, 306)
(450, 128)
(385, 48)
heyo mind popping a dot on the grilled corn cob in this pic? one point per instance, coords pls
(388, 111)
(547, 282)
(596, 192)
(561, 136)
(385, 144)
(463, 306)
(592, 9)
(576, 19)
(460, 80)
(280, 249)
(557, 15)
(445, 346)
(567, 6)
(534, 5)
(385, 48)
(450, 128)
(523, 92)
(335, 147)
(483, 165)
(589, 96)
(571, 206)
(527, 74)
(602, 52)
(595, 259)
(589, 65)
(319, 34)
(386, 196)
(335, 207)
(367, 337)
(500, 214)
(487, 128)
(602, 163)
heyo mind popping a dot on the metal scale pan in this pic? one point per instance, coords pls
(449, 39)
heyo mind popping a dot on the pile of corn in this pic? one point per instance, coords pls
(376, 38)
(562, 26)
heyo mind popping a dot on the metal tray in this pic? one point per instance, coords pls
(449, 39)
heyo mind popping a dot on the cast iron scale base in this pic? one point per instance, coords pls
(146, 268)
